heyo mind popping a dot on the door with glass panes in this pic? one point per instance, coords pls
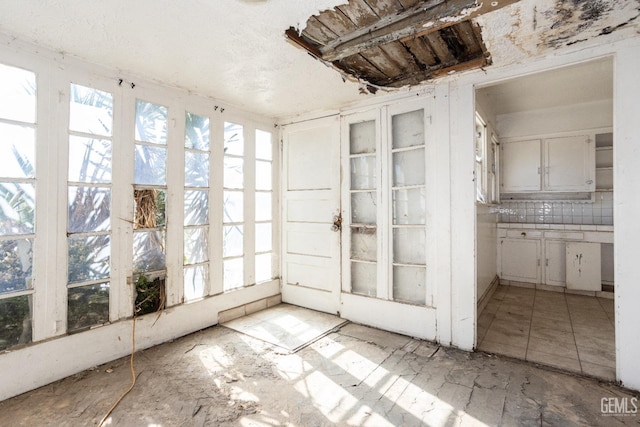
(384, 200)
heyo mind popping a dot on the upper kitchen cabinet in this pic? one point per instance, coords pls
(559, 164)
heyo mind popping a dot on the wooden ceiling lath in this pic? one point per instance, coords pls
(394, 43)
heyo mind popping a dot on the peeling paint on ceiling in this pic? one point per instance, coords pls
(235, 51)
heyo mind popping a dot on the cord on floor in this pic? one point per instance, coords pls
(133, 373)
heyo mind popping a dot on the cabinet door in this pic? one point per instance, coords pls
(569, 164)
(555, 264)
(521, 166)
(520, 259)
(584, 266)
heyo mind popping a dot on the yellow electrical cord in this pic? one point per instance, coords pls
(133, 373)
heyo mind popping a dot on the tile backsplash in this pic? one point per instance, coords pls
(598, 212)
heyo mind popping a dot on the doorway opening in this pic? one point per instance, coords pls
(544, 218)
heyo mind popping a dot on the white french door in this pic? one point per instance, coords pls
(311, 206)
(386, 159)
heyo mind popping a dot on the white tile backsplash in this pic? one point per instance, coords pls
(600, 212)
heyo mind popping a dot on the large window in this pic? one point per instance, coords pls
(264, 207)
(233, 207)
(196, 206)
(150, 199)
(142, 200)
(17, 203)
(89, 206)
(486, 163)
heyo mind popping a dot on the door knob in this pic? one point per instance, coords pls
(337, 223)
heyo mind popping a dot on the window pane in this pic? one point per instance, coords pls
(150, 294)
(148, 251)
(89, 258)
(88, 306)
(151, 122)
(89, 160)
(196, 132)
(408, 168)
(233, 206)
(263, 237)
(409, 206)
(263, 175)
(233, 274)
(150, 165)
(195, 279)
(196, 169)
(409, 284)
(364, 244)
(196, 207)
(233, 139)
(263, 207)
(264, 148)
(364, 278)
(15, 321)
(408, 245)
(196, 245)
(362, 137)
(232, 240)
(16, 265)
(150, 208)
(363, 208)
(263, 268)
(233, 173)
(363, 173)
(17, 208)
(408, 129)
(17, 94)
(90, 110)
(17, 151)
(89, 209)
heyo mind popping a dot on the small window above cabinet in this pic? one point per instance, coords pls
(604, 161)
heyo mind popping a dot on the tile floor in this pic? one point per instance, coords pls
(355, 376)
(566, 331)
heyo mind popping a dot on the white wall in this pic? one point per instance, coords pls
(590, 115)
(626, 209)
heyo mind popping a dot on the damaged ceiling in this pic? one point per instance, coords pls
(236, 52)
(395, 43)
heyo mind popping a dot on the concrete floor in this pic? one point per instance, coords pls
(355, 376)
(567, 331)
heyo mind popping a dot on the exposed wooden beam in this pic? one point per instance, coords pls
(424, 17)
(434, 72)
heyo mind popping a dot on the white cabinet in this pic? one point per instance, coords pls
(520, 259)
(559, 164)
(569, 164)
(584, 266)
(555, 262)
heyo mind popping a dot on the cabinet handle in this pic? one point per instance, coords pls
(538, 262)
(523, 234)
(547, 262)
(589, 182)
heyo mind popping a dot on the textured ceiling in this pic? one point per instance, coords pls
(235, 50)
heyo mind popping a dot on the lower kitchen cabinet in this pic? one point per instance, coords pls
(555, 262)
(571, 259)
(519, 259)
(584, 266)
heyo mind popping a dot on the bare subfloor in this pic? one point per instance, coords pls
(356, 376)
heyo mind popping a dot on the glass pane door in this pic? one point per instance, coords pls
(363, 228)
